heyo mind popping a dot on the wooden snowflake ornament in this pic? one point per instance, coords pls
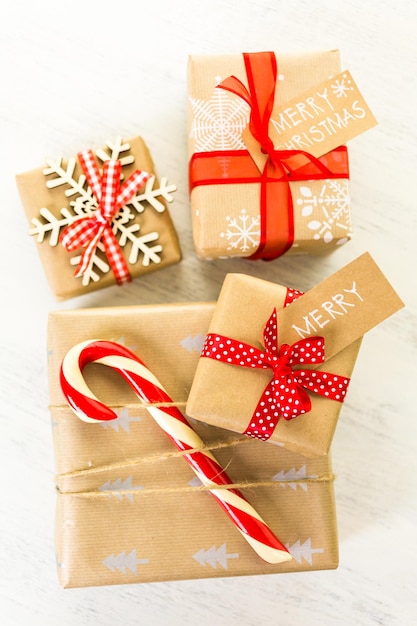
(118, 227)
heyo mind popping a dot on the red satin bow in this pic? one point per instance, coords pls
(277, 221)
(285, 394)
(111, 196)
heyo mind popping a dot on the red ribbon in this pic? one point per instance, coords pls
(281, 166)
(111, 196)
(285, 395)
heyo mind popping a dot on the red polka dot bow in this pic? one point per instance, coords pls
(285, 395)
(111, 196)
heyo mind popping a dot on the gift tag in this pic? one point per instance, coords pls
(341, 308)
(318, 121)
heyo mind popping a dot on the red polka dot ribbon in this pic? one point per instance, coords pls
(285, 395)
(91, 230)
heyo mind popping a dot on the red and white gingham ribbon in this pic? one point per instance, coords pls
(111, 196)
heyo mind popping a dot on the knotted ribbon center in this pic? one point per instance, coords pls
(111, 196)
(281, 166)
(286, 394)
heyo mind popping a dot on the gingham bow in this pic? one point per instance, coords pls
(285, 394)
(111, 196)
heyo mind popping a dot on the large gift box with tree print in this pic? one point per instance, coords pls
(129, 508)
(100, 218)
(268, 165)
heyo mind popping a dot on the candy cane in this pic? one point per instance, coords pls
(149, 390)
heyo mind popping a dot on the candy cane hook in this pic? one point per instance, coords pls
(150, 391)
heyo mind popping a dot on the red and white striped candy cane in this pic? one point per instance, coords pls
(150, 391)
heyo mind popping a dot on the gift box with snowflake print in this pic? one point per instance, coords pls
(296, 199)
(99, 218)
(129, 508)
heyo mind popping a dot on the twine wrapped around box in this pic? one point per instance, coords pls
(129, 508)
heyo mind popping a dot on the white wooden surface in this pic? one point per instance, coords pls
(74, 74)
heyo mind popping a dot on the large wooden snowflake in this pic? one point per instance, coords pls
(82, 203)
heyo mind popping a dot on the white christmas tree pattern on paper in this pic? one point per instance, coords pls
(342, 86)
(54, 422)
(329, 210)
(218, 123)
(243, 232)
(122, 341)
(214, 557)
(59, 564)
(82, 203)
(195, 482)
(300, 551)
(124, 562)
(120, 486)
(293, 478)
(191, 343)
(123, 421)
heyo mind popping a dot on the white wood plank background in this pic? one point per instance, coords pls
(74, 74)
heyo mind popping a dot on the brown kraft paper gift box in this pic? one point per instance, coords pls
(225, 217)
(268, 163)
(146, 232)
(129, 508)
(340, 309)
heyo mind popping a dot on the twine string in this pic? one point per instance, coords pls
(326, 478)
(173, 454)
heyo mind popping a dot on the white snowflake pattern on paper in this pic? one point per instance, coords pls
(341, 86)
(333, 204)
(218, 123)
(243, 232)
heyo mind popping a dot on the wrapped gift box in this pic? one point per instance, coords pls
(129, 508)
(339, 310)
(225, 184)
(309, 434)
(56, 195)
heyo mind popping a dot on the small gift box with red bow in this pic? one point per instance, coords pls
(100, 218)
(268, 165)
(282, 375)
